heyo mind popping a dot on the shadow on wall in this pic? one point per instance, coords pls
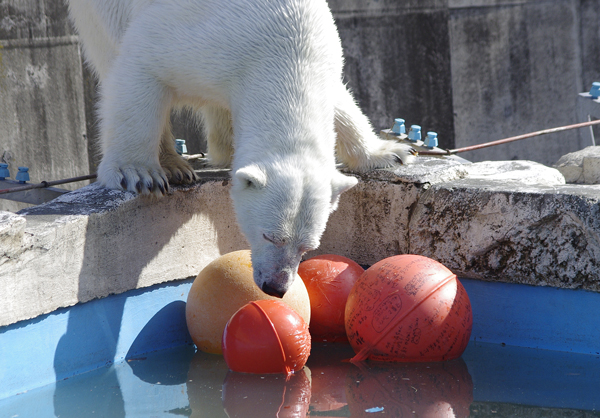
(123, 259)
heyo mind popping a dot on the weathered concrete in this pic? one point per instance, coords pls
(42, 118)
(581, 167)
(495, 230)
(514, 221)
(516, 68)
(96, 242)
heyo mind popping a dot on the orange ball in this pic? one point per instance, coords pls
(408, 308)
(328, 279)
(221, 288)
(266, 336)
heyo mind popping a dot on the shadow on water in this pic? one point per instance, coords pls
(110, 264)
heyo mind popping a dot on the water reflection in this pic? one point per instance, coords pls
(181, 382)
(246, 395)
(331, 386)
(432, 390)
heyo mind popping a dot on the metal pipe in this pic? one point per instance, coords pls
(510, 139)
(424, 152)
(47, 184)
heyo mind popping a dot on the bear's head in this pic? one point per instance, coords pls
(282, 209)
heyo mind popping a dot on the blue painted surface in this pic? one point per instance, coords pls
(91, 335)
(535, 317)
(533, 377)
(88, 336)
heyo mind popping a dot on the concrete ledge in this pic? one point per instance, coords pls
(95, 242)
(511, 221)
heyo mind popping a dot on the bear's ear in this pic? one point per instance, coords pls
(339, 184)
(251, 176)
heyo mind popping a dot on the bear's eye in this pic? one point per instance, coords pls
(276, 242)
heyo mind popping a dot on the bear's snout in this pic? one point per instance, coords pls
(276, 284)
(273, 291)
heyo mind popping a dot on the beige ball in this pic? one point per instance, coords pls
(223, 287)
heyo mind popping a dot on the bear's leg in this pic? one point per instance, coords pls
(219, 135)
(134, 110)
(357, 145)
(178, 170)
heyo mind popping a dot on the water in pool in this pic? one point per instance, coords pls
(488, 381)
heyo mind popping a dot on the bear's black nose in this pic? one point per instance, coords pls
(272, 291)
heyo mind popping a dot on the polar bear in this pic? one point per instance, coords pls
(266, 77)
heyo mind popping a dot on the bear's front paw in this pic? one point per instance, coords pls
(402, 153)
(177, 170)
(137, 179)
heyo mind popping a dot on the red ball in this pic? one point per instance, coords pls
(408, 308)
(328, 279)
(266, 336)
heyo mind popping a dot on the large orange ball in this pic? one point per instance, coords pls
(223, 287)
(266, 336)
(328, 279)
(408, 308)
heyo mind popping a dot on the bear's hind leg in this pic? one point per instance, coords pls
(177, 170)
(219, 135)
(357, 145)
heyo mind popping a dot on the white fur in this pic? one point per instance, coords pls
(266, 75)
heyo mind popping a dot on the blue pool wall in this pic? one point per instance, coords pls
(89, 336)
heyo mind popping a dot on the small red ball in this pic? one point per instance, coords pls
(408, 308)
(266, 336)
(328, 279)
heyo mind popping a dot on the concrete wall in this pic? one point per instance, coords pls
(42, 117)
(517, 67)
(509, 221)
(473, 70)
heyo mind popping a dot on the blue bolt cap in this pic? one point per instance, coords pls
(595, 91)
(399, 127)
(415, 133)
(4, 173)
(180, 146)
(431, 141)
(22, 175)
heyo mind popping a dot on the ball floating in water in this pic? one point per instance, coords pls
(408, 308)
(328, 279)
(266, 336)
(221, 288)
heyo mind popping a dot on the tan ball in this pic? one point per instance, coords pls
(223, 287)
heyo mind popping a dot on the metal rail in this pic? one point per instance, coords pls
(45, 184)
(510, 139)
(421, 152)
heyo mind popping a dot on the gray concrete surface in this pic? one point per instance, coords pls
(473, 70)
(515, 221)
(42, 119)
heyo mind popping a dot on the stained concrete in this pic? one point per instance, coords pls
(512, 221)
